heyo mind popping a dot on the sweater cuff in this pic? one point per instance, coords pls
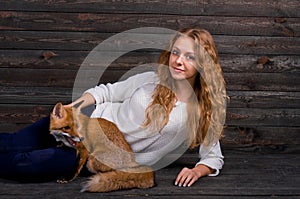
(217, 170)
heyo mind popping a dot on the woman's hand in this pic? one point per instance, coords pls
(85, 100)
(187, 177)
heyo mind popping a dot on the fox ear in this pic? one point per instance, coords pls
(58, 111)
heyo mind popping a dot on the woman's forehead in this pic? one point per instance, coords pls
(185, 44)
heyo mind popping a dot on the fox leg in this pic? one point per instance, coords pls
(96, 166)
(81, 160)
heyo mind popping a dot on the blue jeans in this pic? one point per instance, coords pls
(31, 153)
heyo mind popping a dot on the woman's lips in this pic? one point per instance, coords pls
(177, 69)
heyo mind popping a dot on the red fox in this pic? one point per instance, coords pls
(103, 148)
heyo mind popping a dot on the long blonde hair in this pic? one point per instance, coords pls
(198, 119)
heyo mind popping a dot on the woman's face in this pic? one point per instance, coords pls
(182, 60)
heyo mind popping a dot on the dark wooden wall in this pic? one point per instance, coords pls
(43, 43)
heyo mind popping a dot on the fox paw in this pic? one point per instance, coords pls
(64, 180)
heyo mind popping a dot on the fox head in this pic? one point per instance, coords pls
(63, 125)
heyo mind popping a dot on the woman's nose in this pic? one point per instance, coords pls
(179, 59)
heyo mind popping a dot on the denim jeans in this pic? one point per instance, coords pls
(31, 153)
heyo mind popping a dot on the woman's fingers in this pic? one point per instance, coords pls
(68, 105)
(187, 177)
(192, 181)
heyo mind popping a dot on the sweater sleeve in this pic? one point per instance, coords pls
(212, 157)
(119, 91)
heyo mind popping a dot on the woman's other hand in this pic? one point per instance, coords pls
(187, 177)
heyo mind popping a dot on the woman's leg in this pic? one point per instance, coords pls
(35, 136)
(41, 164)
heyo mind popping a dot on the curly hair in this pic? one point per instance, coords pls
(201, 119)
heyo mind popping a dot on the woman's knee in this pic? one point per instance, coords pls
(50, 162)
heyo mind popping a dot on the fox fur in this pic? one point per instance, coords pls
(102, 147)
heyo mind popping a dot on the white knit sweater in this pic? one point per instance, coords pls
(124, 103)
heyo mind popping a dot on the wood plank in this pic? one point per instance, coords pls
(263, 99)
(38, 59)
(262, 81)
(237, 117)
(35, 95)
(252, 117)
(21, 113)
(238, 99)
(87, 41)
(247, 133)
(50, 40)
(32, 77)
(259, 64)
(15, 77)
(264, 149)
(244, 175)
(242, 139)
(279, 8)
(261, 135)
(71, 60)
(112, 23)
(263, 117)
(267, 140)
(41, 59)
(257, 45)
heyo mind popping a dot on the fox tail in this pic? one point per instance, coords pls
(138, 177)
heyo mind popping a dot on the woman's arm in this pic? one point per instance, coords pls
(115, 92)
(121, 90)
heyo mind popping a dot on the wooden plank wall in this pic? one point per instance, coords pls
(43, 43)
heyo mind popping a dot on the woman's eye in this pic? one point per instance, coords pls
(175, 52)
(190, 57)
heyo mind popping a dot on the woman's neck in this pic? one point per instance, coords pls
(183, 90)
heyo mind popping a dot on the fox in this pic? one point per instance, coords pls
(102, 148)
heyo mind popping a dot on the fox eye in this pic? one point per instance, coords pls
(66, 128)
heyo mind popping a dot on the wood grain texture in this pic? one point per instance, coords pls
(226, 44)
(72, 60)
(112, 23)
(238, 99)
(65, 78)
(23, 113)
(43, 44)
(244, 176)
(279, 8)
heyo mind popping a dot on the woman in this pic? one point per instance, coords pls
(157, 112)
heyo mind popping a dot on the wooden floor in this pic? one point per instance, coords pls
(245, 175)
(43, 44)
